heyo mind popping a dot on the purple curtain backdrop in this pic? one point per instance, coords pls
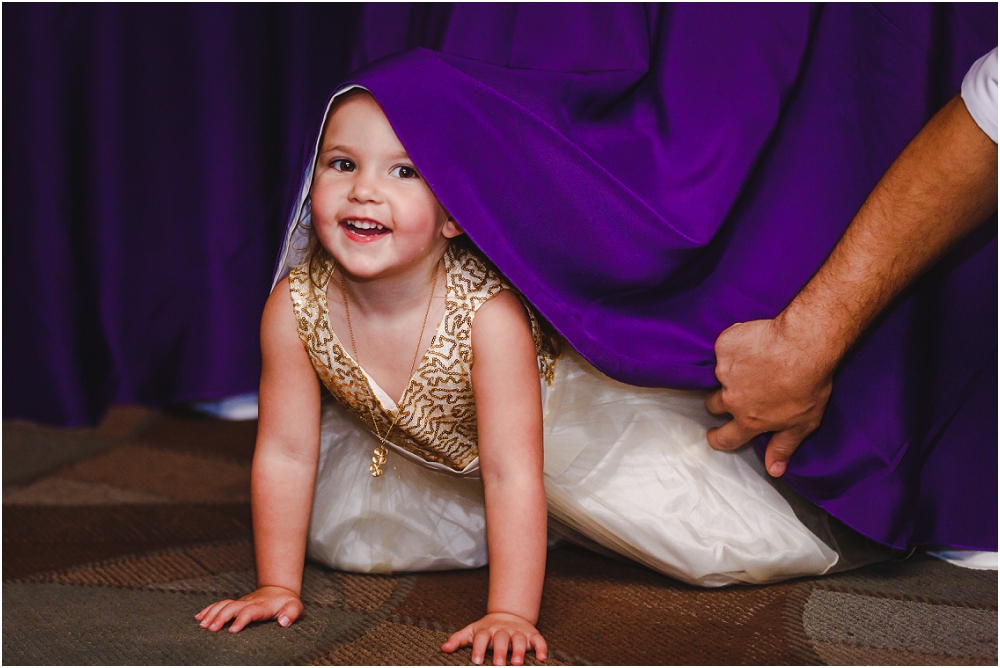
(152, 151)
(150, 156)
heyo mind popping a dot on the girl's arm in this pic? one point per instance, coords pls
(509, 409)
(283, 475)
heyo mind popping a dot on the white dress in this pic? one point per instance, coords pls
(626, 467)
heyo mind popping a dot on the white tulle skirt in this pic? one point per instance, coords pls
(628, 468)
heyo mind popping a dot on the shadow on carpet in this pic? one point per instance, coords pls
(115, 537)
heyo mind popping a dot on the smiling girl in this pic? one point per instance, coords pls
(425, 452)
(380, 270)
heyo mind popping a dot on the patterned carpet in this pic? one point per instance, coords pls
(114, 537)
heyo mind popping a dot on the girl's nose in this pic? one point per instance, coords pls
(365, 189)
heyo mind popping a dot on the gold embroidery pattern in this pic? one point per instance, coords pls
(438, 421)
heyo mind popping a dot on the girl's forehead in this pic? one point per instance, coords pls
(356, 112)
(360, 122)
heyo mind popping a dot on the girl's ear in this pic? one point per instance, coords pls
(452, 229)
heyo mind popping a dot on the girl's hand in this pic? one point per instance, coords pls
(265, 603)
(502, 631)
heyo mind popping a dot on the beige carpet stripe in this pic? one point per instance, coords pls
(864, 621)
(57, 491)
(835, 654)
(179, 476)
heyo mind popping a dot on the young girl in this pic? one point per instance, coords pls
(431, 457)
(381, 269)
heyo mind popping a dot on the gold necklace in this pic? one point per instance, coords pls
(378, 459)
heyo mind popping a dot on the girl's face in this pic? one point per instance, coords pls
(370, 208)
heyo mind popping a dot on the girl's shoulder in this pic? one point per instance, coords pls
(278, 321)
(478, 282)
(473, 277)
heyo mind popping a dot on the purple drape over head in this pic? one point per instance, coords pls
(649, 175)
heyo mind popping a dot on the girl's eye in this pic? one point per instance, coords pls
(404, 172)
(343, 165)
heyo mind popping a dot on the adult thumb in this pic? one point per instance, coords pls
(779, 450)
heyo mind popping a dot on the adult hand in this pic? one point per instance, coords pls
(502, 631)
(264, 604)
(777, 374)
(772, 381)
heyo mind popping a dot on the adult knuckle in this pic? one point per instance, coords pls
(723, 366)
(721, 342)
(724, 398)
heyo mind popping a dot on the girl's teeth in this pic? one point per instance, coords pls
(362, 225)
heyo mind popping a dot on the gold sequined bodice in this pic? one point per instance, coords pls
(437, 419)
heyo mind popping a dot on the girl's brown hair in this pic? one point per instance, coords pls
(317, 255)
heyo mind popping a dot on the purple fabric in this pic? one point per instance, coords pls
(648, 176)
(150, 156)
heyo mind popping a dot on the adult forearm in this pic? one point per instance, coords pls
(941, 186)
(777, 375)
(281, 493)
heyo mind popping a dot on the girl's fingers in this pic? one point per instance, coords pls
(227, 612)
(213, 609)
(518, 643)
(209, 613)
(479, 644)
(541, 648)
(458, 639)
(244, 617)
(501, 641)
(248, 614)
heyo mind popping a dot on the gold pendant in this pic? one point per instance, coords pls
(377, 461)
(379, 458)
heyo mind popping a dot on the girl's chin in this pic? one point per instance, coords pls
(363, 267)
(374, 267)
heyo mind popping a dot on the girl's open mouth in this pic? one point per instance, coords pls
(366, 229)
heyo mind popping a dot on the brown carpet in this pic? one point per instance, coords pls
(115, 537)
